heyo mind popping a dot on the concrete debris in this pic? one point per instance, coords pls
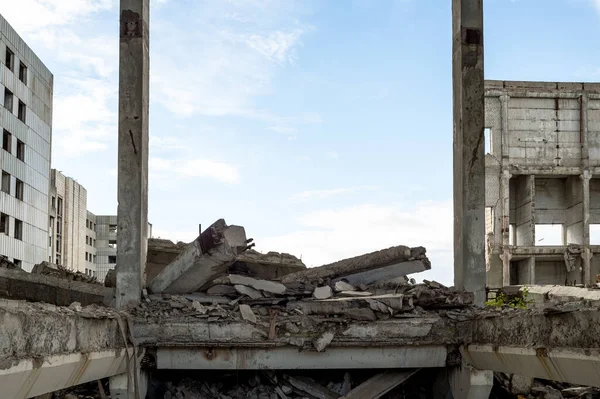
(260, 285)
(247, 314)
(322, 292)
(50, 269)
(395, 258)
(341, 286)
(380, 384)
(220, 289)
(248, 291)
(7, 264)
(323, 341)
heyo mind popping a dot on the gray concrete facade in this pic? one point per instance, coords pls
(134, 79)
(26, 87)
(469, 178)
(542, 170)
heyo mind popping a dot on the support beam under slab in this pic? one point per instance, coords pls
(289, 358)
(132, 222)
(32, 377)
(469, 383)
(469, 165)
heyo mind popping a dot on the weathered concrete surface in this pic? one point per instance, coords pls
(469, 157)
(386, 273)
(132, 211)
(395, 256)
(206, 258)
(17, 284)
(269, 266)
(44, 348)
(288, 358)
(160, 254)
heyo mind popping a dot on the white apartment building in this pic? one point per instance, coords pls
(26, 87)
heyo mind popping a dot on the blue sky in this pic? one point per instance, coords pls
(323, 127)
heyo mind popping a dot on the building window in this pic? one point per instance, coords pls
(18, 229)
(59, 206)
(112, 259)
(18, 262)
(9, 59)
(549, 234)
(487, 139)
(112, 243)
(6, 141)
(58, 244)
(4, 223)
(58, 259)
(5, 182)
(94, 260)
(8, 100)
(19, 189)
(87, 239)
(22, 111)
(22, 73)
(53, 203)
(112, 228)
(21, 150)
(86, 258)
(49, 241)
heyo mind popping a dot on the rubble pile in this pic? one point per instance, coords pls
(533, 388)
(7, 264)
(51, 269)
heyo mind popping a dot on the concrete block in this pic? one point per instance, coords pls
(322, 292)
(247, 314)
(206, 258)
(261, 285)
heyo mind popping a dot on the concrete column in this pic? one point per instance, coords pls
(132, 239)
(469, 165)
(586, 253)
(468, 383)
(505, 199)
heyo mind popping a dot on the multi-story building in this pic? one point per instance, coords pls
(542, 182)
(106, 244)
(26, 87)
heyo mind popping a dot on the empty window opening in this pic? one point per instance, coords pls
(58, 244)
(5, 182)
(112, 228)
(22, 111)
(4, 223)
(512, 234)
(594, 234)
(112, 259)
(549, 234)
(19, 188)
(22, 73)
(60, 207)
(18, 229)
(487, 136)
(112, 243)
(86, 259)
(18, 262)
(94, 259)
(6, 141)
(8, 100)
(58, 260)
(9, 59)
(53, 203)
(50, 243)
(21, 150)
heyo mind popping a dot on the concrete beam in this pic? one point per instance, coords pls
(132, 211)
(17, 284)
(206, 258)
(289, 358)
(469, 156)
(573, 365)
(469, 383)
(31, 377)
(402, 259)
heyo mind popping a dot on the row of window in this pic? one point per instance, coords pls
(7, 139)
(90, 241)
(5, 222)
(90, 258)
(90, 272)
(9, 61)
(8, 104)
(90, 225)
(5, 186)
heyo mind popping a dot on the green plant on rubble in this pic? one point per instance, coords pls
(516, 302)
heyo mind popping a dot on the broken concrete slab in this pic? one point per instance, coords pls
(160, 253)
(323, 341)
(341, 286)
(247, 314)
(387, 273)
(261, 285)
(322, 292)
(352, 269)
(380, 384)
(17, 284)
(206, 258)
(221, 289)
(269, 266)
(248, 291)
(311, 387)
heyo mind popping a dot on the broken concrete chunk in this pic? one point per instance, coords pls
(323, 341)
(322, 292)
(75, 306)
(361, 314)
(355, 293)
(221, 289)
(378, 306)
(291, 327)
(247, 313)
(311, 387)
(341, 286)
(248, 291)
(397, 261)
(198, 307)
(262, 285)
(207, 257)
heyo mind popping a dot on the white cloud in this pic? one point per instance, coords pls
(597, 4)
(170, 169)
(332, 234)
(332, 155)
(328, 193)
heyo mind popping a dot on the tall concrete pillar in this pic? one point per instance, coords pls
(469, 165)
(134, 67)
